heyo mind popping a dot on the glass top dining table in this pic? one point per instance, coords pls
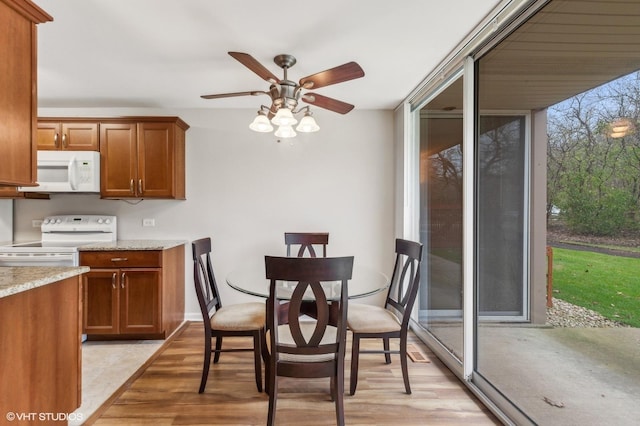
(250, 279)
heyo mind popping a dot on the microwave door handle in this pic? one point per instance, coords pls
(73, 175)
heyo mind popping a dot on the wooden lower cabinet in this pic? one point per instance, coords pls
(40, 356)
(142, 298)
(122, 301)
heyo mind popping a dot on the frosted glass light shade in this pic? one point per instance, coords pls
(261, 124)
(285, 132)
(307, 125)
(284, 117)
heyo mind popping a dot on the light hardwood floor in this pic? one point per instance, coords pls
(166, 393)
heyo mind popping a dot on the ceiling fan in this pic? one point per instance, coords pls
(286, 93)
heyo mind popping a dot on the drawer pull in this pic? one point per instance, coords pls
(119, 259)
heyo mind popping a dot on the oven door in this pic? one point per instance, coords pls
(39, 259)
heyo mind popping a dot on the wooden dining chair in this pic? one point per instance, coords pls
(302, 347)
(392, 319)
(242, 319)
(307, 241)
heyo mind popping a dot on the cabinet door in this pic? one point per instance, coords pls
(80, 136)
(156, 162)
(49, 136)
(17, 97)
(118, 164)
(100, 288)
(140, 301)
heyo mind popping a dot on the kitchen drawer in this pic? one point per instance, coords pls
(121, 259)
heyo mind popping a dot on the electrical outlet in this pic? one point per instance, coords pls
(36, 223)
(148, 222)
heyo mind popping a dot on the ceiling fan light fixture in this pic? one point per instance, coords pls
(285, 132)
(261, 123)
(285, 95)
(308, 124)
(284, 117)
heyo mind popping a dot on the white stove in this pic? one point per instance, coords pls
(61, 236)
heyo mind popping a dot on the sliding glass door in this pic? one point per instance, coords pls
(441, 288)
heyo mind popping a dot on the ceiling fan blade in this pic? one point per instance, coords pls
(345, 72)
(327, 103)
(255, 66)
(231, 95)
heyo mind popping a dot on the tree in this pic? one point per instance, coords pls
(593, 174)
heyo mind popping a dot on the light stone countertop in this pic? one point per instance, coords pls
(17, 279)
(132, 245)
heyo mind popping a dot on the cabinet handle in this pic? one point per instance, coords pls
(122, 278)
(119, 259)
(55, 140)
(113, 281)
(139, 186)
(64, 140)
(131, 186)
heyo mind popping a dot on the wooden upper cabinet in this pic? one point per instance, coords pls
(78, 135)
(10, 192)
(18, 89)
(144, 158)
(118, 160)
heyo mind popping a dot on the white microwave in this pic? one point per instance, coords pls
(67, 171)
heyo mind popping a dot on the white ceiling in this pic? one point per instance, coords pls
(166, 53)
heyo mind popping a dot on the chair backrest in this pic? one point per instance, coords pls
(204, 279)
(307, 274)
(405, 279)
(306, 240)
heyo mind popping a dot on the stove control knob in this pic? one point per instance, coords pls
(58, 221)
(100, 220)
(107, 221)
(45, 221)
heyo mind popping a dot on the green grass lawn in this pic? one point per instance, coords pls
(609, 285)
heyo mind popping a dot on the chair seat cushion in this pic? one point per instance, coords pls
(363, 318)
(241, 316)
(307, 328)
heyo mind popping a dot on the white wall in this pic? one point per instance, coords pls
(245, 190)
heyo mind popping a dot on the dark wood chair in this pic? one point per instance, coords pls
(301, 347)
(242, 319)
(307, 241)
(391, 320)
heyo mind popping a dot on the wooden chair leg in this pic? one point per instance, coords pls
(387, 355)
(273, 393)
(266, 360)
(355, 353)
(257, 359)
(332, 388)
(216, 357)
(339, 394)
(404, 364)
(207, 363)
